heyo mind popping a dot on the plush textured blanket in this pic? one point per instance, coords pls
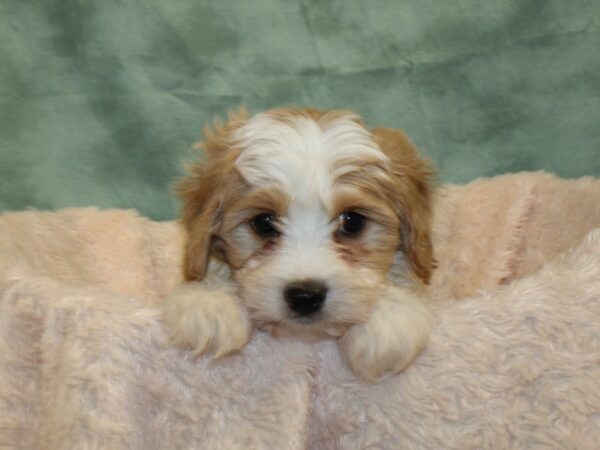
(514, 361)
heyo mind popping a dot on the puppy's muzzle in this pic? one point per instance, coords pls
(305, 297)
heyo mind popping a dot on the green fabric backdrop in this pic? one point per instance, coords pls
(100, 100)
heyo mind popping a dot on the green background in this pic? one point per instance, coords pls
(101, 100)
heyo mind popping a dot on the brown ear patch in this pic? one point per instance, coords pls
(206, 191)
(412, 192)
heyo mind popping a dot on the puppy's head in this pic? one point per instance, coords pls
(308, 209)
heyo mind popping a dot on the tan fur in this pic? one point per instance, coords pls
(207, 192)
(375, 246)
(412, 191)
(238, 243)
(323, 118)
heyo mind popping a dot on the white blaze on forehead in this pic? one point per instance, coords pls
(301, 156)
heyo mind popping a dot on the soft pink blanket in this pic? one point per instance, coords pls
(514, 361)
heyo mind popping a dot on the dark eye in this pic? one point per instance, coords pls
(351, 223)
(262, 224)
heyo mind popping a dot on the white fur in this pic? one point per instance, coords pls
(299, 157)
(351, 292)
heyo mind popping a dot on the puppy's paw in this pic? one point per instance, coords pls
(207, 319)
(396, 331)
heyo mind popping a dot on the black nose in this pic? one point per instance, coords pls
(305, 297)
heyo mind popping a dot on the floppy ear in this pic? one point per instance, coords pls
(200, 218)
(205, 191)
(412, 193)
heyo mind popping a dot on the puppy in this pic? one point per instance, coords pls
(302, 215)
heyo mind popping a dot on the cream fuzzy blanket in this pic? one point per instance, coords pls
(514, 361)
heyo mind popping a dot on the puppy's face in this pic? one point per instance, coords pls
(308, 209)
